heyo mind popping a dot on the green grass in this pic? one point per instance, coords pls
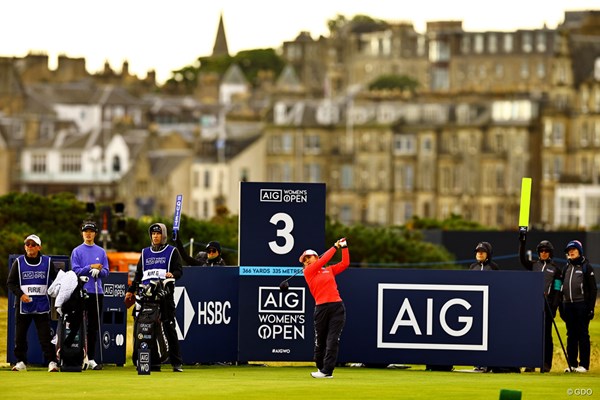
(252, 382)
(291, 381)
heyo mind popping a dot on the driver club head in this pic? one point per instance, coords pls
(284, 286)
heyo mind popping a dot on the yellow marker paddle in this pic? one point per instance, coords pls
(525, 203)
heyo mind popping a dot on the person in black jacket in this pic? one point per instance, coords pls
(210, 257)
(552, 283)
(577, 309)
(483, 257)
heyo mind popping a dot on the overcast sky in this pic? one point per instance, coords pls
(169, 34)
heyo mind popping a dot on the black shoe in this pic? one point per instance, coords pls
(177, 368)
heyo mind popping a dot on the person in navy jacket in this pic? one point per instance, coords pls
(28, 279)
(161, 261)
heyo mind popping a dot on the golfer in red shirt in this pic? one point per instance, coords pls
(330, 313)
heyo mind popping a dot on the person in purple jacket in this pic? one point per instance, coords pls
(89, 259)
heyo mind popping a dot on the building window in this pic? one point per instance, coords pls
(508, 43)
(427, 145)
(205, 207)
(439, 79)
(541, 70)
(312, 144)
(527, 44)
(70, 163)
(287, 143)
(438, 51)
(479, 43)
(286, 173)
(116, 164)
(404, 144)
(207, 179)
(492, 43)
(347, 177)
(540, 44)
(38, 163)
(346, 214)
(524, 70)
(499, 70)
(312, 173)
(195, 179)
(465, 44)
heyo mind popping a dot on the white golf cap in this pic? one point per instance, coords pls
(308, 252)
(34, 238)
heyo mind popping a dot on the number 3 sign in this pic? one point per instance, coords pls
(278, 221)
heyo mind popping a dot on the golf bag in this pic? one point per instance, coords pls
(72, 336)
(148, 329)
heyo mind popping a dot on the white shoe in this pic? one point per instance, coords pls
(319, 374)
(357, 365)
(20, 366)
(52, 367)
(92, 364)
(580, 369)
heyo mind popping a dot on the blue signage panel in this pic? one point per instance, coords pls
(278, 221)
(492, 318)
(275, 325)
(113, 329)
(206, 299)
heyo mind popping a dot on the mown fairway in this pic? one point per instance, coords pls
(291, 381)
(254, 382)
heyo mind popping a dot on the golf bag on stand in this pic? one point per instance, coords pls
(148, 329)
(71, 346)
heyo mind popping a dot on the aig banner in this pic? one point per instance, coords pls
(491, 318)
(278, 221)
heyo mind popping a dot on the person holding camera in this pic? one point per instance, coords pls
(330, 313)
(161, 261)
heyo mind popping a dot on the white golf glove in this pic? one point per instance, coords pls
(95, 272)
(59, 311)
(341, 243)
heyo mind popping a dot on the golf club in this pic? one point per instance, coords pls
(558, 334)
(99, 326)
(284, 285)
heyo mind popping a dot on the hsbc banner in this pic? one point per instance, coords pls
(206, 301)
(278, 221)
(492, 318)
(275, 325)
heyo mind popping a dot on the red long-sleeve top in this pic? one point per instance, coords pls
(321, 279)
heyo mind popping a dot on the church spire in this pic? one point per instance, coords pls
(220, 48)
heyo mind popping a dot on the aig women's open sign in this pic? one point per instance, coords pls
(278, 221)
